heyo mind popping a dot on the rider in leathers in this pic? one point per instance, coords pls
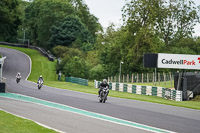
(40, 79)
(102, 85)
(18, 76)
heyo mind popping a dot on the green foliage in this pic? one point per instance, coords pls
(79, 64)
(75, 67)
(62, 51)
(97, 72)
(73, 34)
(149, 27)
(41, 15)
(90, 21)
(167, 19)
(70, 30)
(69, 22)
(10, 19)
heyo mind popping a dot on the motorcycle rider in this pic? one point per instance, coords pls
(18, 76)
(102, 85)
(40, 79)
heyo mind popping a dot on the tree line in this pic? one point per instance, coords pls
(73, 34)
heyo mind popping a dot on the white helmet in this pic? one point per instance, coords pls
(104, 81)
(18, 73)
(40, 76)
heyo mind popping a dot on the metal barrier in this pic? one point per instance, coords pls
(144, 90)
(41, 50)
(79, 81)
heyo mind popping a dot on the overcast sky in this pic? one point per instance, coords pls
(110, 11)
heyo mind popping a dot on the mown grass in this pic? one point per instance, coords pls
(40, 65)
(47, 69)
(13, 124)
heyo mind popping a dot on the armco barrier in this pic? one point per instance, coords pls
(41, 50)
(79, 81)
(145, 90)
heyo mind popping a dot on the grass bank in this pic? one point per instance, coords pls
(40, 64)
(47, 69)
(13, 124)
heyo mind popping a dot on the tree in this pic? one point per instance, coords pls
(41, 15)
(76, 67)
(90, 21)
(173, 19)
(63, 51)
(97, 72)
(70, 30)
(10, 20)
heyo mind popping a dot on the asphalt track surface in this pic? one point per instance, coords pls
(156, 115)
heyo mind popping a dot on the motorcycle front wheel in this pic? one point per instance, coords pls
(105, 98)
(100, 100)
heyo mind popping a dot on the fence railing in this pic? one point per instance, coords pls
(41, 50)
(79, 81)
(143, 78)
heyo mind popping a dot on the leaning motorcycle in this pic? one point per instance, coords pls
(103, 95)
(40, 84)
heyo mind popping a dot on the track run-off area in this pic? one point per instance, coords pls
(70, 111)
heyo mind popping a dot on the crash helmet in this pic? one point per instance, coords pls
(104, 81)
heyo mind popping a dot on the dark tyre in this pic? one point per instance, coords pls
(17, 80)
(105, 98)
(100, 98)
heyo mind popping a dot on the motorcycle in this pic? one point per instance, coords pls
(18, 80)
(103, 95)
(40, 84)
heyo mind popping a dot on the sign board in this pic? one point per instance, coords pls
(178, 61)
(150, 60)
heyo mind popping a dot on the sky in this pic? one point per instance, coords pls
(109, 11)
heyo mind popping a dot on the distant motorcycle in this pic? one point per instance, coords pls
(40, 84)
(103, 95)
(18, 80)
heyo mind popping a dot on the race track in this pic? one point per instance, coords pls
(161, 116)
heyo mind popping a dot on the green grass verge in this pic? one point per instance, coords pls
(13, 124)
(40, 65)
(48, 68)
